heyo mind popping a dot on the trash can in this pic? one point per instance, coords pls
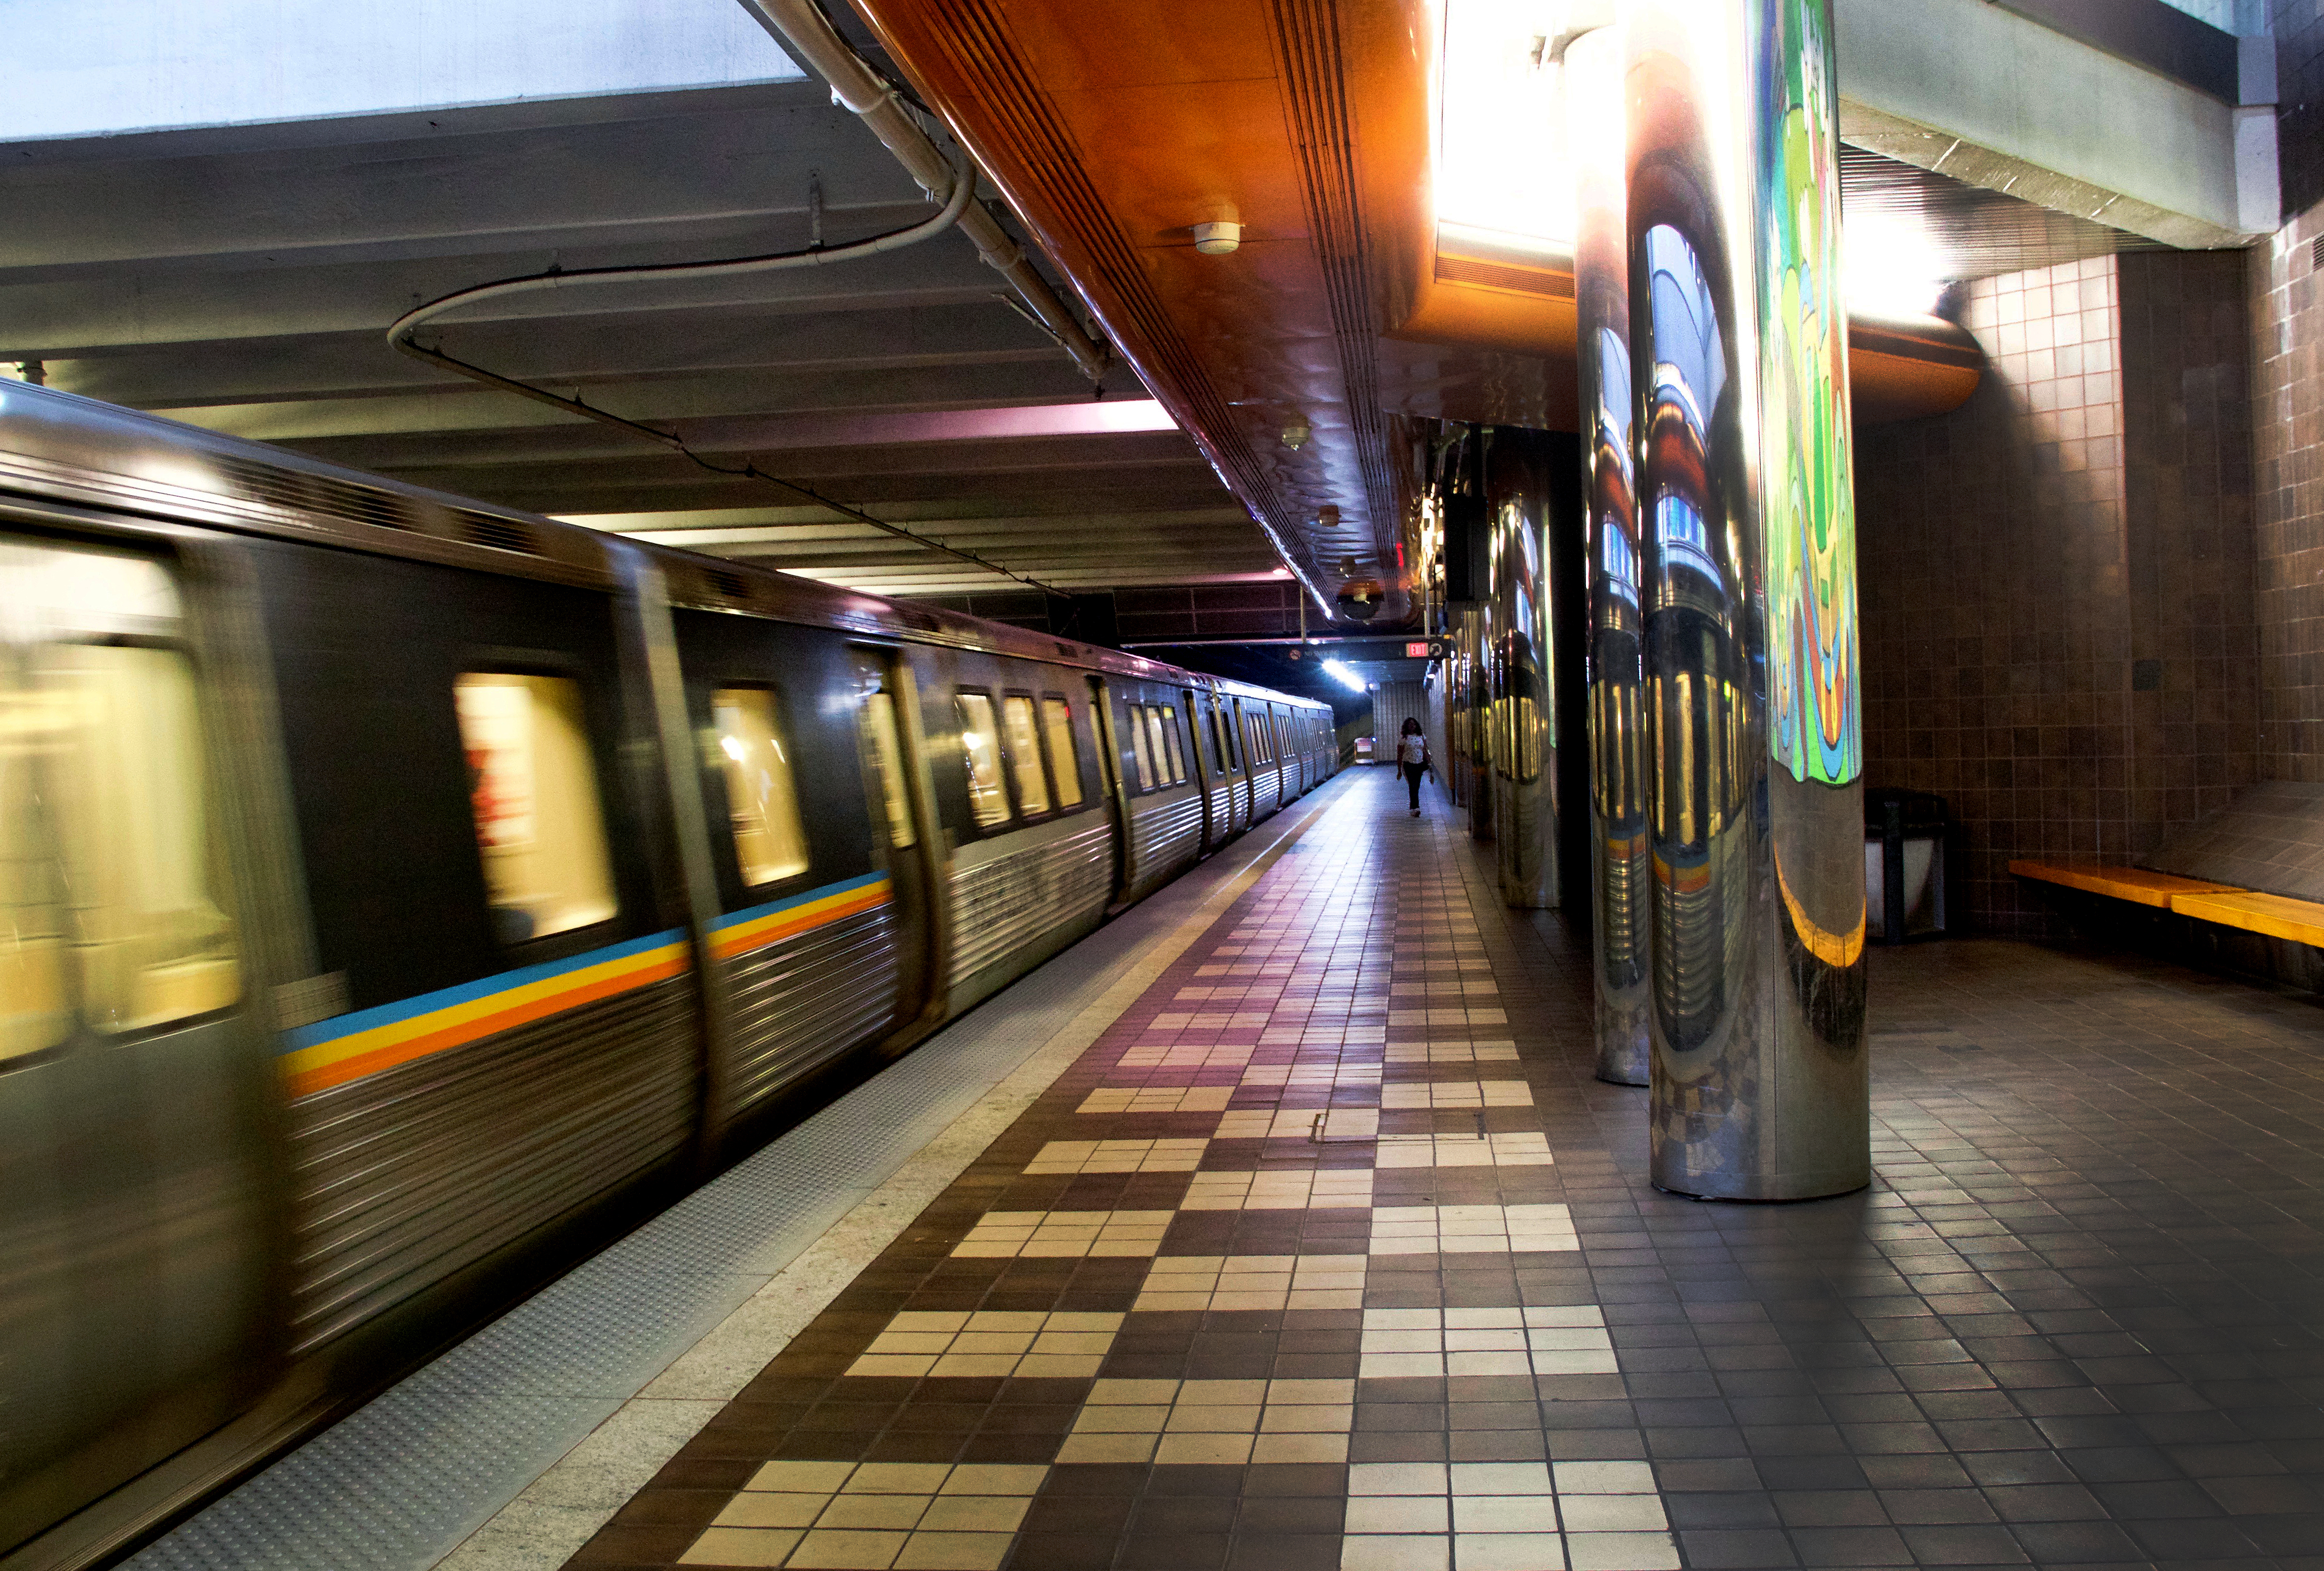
(1906, 837)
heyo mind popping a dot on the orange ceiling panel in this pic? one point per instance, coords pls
(1172, 158)
(1115, 127)
(1142, 45)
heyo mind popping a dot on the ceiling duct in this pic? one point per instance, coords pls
(807, 34)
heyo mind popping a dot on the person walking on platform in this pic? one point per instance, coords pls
(1411, 759)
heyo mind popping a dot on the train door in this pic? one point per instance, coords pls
(1214, 831)
(889, 747)
(1116, 781)
(1231, 812)
(135, 1071)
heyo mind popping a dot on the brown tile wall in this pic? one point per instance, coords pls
(2287, 321)
(2049, 573)
(2195, 678)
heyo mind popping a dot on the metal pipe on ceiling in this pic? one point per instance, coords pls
(807, 34)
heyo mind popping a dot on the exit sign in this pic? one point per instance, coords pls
(1416, 651)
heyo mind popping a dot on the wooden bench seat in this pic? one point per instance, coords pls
(2274, 915)
(2134, 884)
(2301, 920)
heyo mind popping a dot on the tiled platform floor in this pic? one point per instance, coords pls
(1331, 1254)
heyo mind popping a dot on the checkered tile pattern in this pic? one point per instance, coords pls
(1295, 1230)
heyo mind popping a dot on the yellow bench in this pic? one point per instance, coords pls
(2272, 915)
(2134, 884)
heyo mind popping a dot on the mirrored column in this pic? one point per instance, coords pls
(1749, 665)
(1524, 714)
(1473, 635)
(1621, 853)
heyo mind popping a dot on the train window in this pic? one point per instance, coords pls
(761, 803)
(980, 744)
(106, 866)
(1170, 736)
(1024, 754)
(533, 788)
(879, 726)
(1137, 748)
(1155, 745)
(1057, 719)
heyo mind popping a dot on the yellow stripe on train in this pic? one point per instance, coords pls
(349, 1058)
(759, 931)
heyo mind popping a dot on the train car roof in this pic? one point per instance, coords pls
(82, 452)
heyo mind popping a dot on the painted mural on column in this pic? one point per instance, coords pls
(1807, 470)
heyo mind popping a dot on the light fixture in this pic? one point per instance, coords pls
(1279, 573)
(1217, 239)
(1295, 434)
(1327, 516)
(1499, 88)
(1346, 677)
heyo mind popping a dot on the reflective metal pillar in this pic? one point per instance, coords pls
(1455, 740)
(1746, 510)
(1476, 639)
(1621, 855)
(1524, 710)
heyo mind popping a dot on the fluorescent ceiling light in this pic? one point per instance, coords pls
(1501, 162)
(1346, 677)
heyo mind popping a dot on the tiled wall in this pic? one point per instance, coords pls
(2188, 482)
(2287, 322)
(2050, 573)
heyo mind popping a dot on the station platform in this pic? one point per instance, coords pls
(1282, 1225)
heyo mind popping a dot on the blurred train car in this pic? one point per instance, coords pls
(401, 894)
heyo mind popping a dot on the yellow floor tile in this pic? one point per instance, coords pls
(740, 1547)
(802, 1477)
(1058, 1366)
(1024, 1478)
(754, 1508)
(1202, 1450)
(1087, 1447)
(954, 1552)
(1008, 1341)
(898, 1478)
(907, 1366)
(873, 1510)
(969, 1365)
(848, 1551)
(975, 1513)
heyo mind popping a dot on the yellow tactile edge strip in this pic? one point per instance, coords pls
(561, 1510)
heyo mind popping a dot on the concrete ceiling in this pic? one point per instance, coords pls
(243, 277)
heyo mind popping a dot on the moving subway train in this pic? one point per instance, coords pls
(401, 893)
